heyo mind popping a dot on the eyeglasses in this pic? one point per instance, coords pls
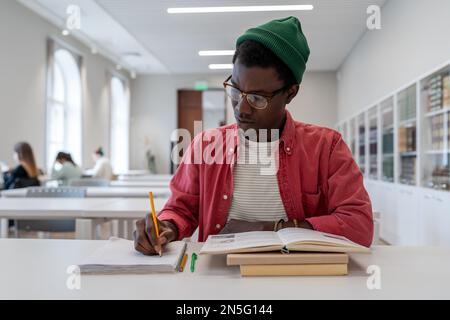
(257, 101)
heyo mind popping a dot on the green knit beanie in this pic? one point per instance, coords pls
(285, 38)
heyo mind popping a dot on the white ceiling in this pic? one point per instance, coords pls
(170, 43)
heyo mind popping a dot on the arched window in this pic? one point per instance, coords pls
(64, 106)
(120, 118)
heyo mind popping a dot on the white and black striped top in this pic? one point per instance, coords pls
(256, 196)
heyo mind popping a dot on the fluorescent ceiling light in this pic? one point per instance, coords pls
(206, 53)
(225, 66)
(241, 9)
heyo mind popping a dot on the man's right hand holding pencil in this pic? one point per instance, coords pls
(145, 236)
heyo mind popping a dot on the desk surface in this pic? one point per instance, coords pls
(140, 183)
(48, 207)
(131, 208)
(146, 177)
(36, 269)
(25, 208)
(104, 192)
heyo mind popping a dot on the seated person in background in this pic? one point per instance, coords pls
(102, 168)
(26, 173)
(65, 168)
(315, 184)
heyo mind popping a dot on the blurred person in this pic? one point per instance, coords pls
(26, 173)
(65, 168)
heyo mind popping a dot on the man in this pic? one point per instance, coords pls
(315, 184)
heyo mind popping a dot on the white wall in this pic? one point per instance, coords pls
(23, 36)
(413, 40)
(154, 110)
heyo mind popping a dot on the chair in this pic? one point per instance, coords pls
(89, 182)
(51, 225)
(20, 183)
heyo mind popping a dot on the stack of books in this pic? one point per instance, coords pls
(407, 104)
(446, 89)
(288, 252)
(434, 93)
(437, 132)
(407, 139)
(293, 264)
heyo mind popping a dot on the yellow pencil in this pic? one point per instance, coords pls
(183, 262)
(155, 221)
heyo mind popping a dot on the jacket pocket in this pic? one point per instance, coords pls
(311, 203)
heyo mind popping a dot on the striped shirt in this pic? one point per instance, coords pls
(256, 196)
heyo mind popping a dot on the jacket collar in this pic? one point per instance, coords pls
(286, 140)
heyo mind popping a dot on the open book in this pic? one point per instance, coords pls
(289, 239)
(118, 256)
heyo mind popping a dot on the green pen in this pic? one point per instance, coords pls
(193, 259)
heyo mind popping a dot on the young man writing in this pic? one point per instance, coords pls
(315, 183)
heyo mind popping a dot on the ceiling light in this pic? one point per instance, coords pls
(224, 66)
(206, 53)
(65, 32)
(240, 9)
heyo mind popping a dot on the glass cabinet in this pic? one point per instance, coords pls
(345, 132)
(407, 135)
(373, 143)
(435, 108)
(387, 139)
(362, 142)
(352, 136)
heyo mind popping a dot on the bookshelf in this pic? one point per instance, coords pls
(407, 135)
(352, 136)
(387, 139)
(435, 106)
(412, 192)
(373, 142)
(344, 131)
(362, 142)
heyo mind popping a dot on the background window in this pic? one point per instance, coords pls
(64, 107)
(120, 117)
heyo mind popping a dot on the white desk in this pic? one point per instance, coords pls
(96, 209)
(124, 208)
(36, 269)
(139, 184)
(104, 192)
(146, 177)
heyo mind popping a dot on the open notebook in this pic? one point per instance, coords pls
(118, 256)
(289, 239)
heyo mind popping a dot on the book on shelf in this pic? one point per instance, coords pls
(388, 143)
(446, 91)
(437, 92)
(408, 170)
(437, 132)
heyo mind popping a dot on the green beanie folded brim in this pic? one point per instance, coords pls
(285, 38)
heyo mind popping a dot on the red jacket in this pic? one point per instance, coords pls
(317, 177)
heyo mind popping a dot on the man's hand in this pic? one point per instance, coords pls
(145, 239)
